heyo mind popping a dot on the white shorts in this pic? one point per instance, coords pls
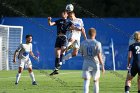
(94, 73)
(25, 63)
(76, 44)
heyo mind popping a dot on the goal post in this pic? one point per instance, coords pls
(11, 37)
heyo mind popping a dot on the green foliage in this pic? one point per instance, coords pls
(45, 8)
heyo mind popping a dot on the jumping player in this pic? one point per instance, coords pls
(63, 25)
(74, 39)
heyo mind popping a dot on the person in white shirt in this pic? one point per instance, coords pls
(91, 51)
(23, 52)
(74, 36)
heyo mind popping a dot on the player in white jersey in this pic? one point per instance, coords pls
(74, 37)
(23, 52)
(91, 51)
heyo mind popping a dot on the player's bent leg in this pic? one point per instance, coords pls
(32, 76)
(128, 83)
(70, 44)
(75, 52)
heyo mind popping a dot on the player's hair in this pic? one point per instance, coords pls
(27, 36)
(64, 11)
(137, 36)
(92, 32)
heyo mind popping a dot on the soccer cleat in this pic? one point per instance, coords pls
(54, 72)
(16, 83)
(34, 83)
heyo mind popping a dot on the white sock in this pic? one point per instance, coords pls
(86, 86)
(32, 76)
(18, 77)
(96, 87)
(68, 56)
(127, 92)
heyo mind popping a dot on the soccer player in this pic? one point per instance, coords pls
(91, 50)
(134, 52)
(23, 52)
(74, 39)
(63, 25)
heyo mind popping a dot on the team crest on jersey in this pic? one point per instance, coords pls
(77, 25)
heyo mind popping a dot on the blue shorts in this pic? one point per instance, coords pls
(135, 69)
(61, 41)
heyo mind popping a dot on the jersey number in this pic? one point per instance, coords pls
(89, 51)
(137, 49)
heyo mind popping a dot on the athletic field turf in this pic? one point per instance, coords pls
(68, 81)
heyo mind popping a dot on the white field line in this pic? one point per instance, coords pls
(41, 75)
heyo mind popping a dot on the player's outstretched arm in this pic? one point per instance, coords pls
(50, 22)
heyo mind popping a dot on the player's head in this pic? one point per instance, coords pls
(28, 38)
(64, 14)
(137, 36)
(92, 32)
(71, 15)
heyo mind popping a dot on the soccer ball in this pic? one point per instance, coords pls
(69, 7)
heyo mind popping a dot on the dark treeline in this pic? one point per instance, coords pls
(45, 8)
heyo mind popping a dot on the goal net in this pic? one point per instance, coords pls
(10, 38)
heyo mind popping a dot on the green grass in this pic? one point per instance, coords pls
(68, 81)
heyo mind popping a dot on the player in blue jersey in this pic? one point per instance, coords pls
(63, 25)
(134, 68)
(23, 52)
(91, 50)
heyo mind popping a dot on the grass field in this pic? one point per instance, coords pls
(68, 81)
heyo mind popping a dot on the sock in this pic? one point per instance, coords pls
(127, 88)
(61, 57)
(138, 91)
(86, 86)
(68, 56)
(127, 92)
(32, 76)
(57, 61)
(96, 87)
(18, 77)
